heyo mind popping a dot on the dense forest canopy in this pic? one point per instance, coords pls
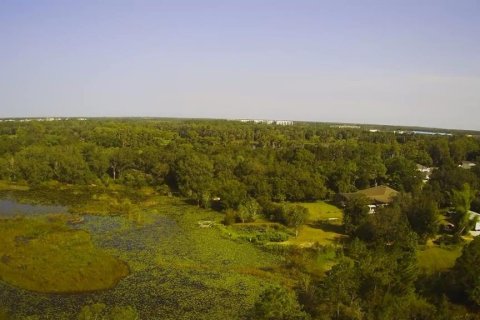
(233, 160)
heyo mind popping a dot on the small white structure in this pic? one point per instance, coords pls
(426, 171)
(345, 126)
(371, 208)
(422, 168)
(476, 229)
(206, 224)
(467, 165)
(277, 122)
(284, 122)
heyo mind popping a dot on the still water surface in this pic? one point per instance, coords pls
(10, 207)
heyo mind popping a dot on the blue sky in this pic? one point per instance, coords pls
(390, 62)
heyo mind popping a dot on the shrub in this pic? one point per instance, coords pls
(229, 218)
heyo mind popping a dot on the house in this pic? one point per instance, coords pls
(422, 168)
(426, 171)
(378, 196)
(467, 165)
(476, 228)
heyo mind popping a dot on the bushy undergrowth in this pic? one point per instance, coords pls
(262, 233)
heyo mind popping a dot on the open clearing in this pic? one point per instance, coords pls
(321, 210)
(435, 258)
(323, 226)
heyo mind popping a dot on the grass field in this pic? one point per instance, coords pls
(435, 258)
(8, 186)
(321, 234)
(323, 225)
(322, 210)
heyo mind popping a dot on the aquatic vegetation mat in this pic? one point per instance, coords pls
(45, 255)
(178, 270)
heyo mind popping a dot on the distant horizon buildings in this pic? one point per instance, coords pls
(266, 121)
(39, 119)
(369, 127)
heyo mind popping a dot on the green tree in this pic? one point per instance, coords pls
(194, 175)
(440, 152)
(340, 291)
(464, 278)
(461, 147)
(120, 159)
(96, 159)
(423, 216)
(462, 200)
(277, 303)
(33, 164)
(370, 166)
(408, 307)
(248, 210)
(388, 228)
(231, 192)
(356, 288)
(355, 213)
(68, 164)
(403, 174)
(341, 175)
(295, 216)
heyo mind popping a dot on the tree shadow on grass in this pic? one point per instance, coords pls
(328, 227)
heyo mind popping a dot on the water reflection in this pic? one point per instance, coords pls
(10, 207)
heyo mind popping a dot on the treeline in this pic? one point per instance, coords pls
(232, 161)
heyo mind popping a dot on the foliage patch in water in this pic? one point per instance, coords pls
(43, 254)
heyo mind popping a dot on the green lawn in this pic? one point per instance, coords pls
(321, 210)
(436, 258)
(323, 235)
(7, 186)
(323, 226)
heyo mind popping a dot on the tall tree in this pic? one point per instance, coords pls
(464, 278)
(278, 303)
(194, 176)
(423, 215)
(340, 290)
(248, 210)
(295, 216)
(355, 213)
(403, 174)
(462, 200)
